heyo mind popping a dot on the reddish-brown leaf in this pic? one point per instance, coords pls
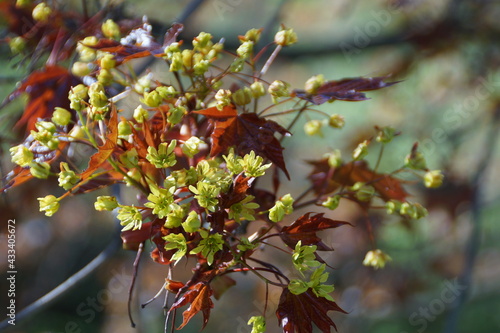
(304, 229)
(106, 149)
(344, 90)
(245, 132)
(237, 192)
(297, 313)
(326, 180)
(46, 88)
(198, 296)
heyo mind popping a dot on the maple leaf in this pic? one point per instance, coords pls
(246, 132)
(304, 229)
(388, 187)
(106, 149)
(344, 90)
(47, 88)
(297, 313)
(198, 296)
(237, 192)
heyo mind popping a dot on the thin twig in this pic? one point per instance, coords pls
(134, 278)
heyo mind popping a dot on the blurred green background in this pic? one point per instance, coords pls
(447, 52)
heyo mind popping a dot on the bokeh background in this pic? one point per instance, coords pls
(445, 272)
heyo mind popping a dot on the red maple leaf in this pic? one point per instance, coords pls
(106, 149)
(304, 229)
(297, 313)
(46, 88)
(344, 90)
(245, 132)
(198, 296)
(324, 181)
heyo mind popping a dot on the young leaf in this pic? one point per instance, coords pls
(246, 132)
(297, 313)
(304, 229)
(198, 296)
(344, 90)
(388, 187)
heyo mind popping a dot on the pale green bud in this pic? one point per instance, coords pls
(258, 89)
(176, 62)
(67, 177)
(223, 98)
(336, 121)
(312, 84)
(253, 35)
(97, 95)
(313, 127)
(245, 50)
(105, 202)
(141, 114)
(334, 158)
(108, 61)
(81, 68)
(77, 97)
(278, 89)
(124, 129)
(105, 77)
(17, 45)
(61, 116)
(332, 202)
(285, 37)
(242, 96)
(152, 99)
(143, 84)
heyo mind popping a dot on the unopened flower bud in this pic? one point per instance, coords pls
(108, 61)
(81, 68)
(187, 58)
(245, 50)
(144, 83)
(61, 116)
(253, 35)
(334, 158)
(176, 62)
(363, 192)
(23, 3)
(393, 206)
(41, 12)
(419, 211)
(202, 41)
(97, 95)
(17, 45)
(285, 37)
(111, 29)
(77, 96)
(313, 127)
(332, 202)
(258, 89)
(124, 129)
(336, 121)
(105, 202)
(433, 179)
(242, 96)
(141, 114)
(312, 84)
(152, 99)
(278, 89)
(105, 77)
(166, 92)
